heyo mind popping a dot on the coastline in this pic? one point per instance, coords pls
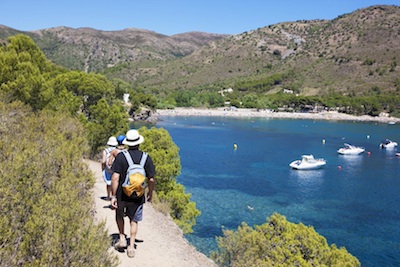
(253, 113)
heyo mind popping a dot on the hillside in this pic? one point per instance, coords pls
(91, 50)
(355, 53)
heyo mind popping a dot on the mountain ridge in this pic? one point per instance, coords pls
(355, 53)
(88, 49)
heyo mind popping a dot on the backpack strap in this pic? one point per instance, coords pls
(143, 159)
(128, 157)
(130, 161)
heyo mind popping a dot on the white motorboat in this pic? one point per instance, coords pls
(388, 144)
(307, 162)
(350, 150)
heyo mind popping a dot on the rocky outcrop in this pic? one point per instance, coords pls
(145, 115)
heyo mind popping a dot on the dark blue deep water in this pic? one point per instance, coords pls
(354, 201)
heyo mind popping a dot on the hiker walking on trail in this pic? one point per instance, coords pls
(128, 194)
(119, 148)
(105, 167)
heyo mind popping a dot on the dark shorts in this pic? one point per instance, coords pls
(133, 210)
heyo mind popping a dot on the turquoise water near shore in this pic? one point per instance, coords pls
(354, 201)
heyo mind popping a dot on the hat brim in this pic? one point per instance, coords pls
(112, 143)
(133, 142)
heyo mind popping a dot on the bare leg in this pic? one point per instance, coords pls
(134, 229)
(121, 225)
(131, 248)
(108, 188)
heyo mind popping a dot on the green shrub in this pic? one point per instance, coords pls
(45, 199)
(279, 243)
(171, 195)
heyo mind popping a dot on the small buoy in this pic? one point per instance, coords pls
(367, 136)
(323, 141)
(235, 146)
(339, 167)
(369, 153)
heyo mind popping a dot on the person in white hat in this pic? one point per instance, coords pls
(124, 205)
(105, 168)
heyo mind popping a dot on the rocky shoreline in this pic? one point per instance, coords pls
(252, 113)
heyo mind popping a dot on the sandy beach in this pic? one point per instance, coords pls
(252, 113)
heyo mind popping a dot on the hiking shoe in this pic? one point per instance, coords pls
(130, 252)
(120, 244)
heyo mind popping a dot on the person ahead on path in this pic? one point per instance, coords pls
(120, 201)
(105, 168)
(119, 148)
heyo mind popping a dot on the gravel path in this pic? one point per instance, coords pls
(163, 242)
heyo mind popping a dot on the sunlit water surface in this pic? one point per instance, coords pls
(353, 201)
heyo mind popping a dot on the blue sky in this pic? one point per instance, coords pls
(172, 16)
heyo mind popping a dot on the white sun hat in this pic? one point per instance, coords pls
(133, 138)
(112, 141)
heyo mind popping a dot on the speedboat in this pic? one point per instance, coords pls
(388, 144)
(307, 162)
(350, 150)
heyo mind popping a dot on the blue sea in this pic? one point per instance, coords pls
(354, 201)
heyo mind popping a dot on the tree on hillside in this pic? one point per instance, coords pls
(279, 243)
(105, 120)
(90, 88)
(26, 76)
(24, 73)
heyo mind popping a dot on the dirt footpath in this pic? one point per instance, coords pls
(162, 243)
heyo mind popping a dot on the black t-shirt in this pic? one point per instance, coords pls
(120, 166)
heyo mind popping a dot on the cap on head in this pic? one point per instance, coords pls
(120, 139)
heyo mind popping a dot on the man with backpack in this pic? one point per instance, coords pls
(132, 169)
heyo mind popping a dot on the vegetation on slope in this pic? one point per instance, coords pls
(52, 118)
(353, 58)
(46, 217)
(351, 53)
(279, 243)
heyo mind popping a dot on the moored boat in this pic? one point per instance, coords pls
(307, 162)
(388, 144)
(349, 149)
